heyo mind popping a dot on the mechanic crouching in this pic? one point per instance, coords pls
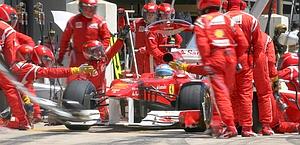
(35, 63)
(96, 55)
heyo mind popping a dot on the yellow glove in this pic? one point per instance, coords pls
(84, 68)
(178, 65)
(26, 100)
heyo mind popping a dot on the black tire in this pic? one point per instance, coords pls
(255, 114)
(191, 97)
(80, 90)
(77, 127)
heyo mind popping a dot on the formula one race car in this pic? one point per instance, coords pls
(154, 99)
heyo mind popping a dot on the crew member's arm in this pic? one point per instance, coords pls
(9, 49)
(152, 46)
(24, 39)
(104, 34)
(65, 40)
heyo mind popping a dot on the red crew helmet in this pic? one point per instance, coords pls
(227, 5)
(204, 4)
(150, 12)
(166, 11)
(42, 56)
(94, 50)
(24, 52)
(88, 8)
(8, 14)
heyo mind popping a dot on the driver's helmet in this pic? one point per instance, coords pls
(8, 14)
(42, 56)
(163, 71)
(150, 12)
(94, 50)
(165, 11)
(24, 52)
(88, 8)
(288, 59)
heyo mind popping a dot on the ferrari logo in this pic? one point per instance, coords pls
(171, 89)
(219, 33)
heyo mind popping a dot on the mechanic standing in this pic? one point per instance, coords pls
(216, 37)
(35, 63)
(9, 15)
(82, 28)
(97, 56)
(155, 40)
(166, 12)
(262, 84)
(242, 100)
(139, 25)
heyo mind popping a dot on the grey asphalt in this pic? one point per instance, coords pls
(119, 135)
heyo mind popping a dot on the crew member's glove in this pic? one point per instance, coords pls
(275, 83)
(27, 104)
(26, 100)
(178, 65)
(123, 33)
(84, 68)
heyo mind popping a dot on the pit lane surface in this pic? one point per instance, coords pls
(117, 135)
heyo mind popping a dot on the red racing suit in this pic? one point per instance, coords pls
(27, 73)
(270, 53)
(24, 39)
(82, 29)
(290, 73)
(142, 56)
(242, 99)
(285, 122)
(262, 83)
(98, 79)
(153, 42)
(13, 97)
(216, 39)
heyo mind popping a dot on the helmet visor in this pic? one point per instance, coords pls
(13, 20)
(88, 10)
(46, 60)
(150, 17)
(95, 53)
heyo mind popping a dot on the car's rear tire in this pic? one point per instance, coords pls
(191, 97)
(80, 91)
